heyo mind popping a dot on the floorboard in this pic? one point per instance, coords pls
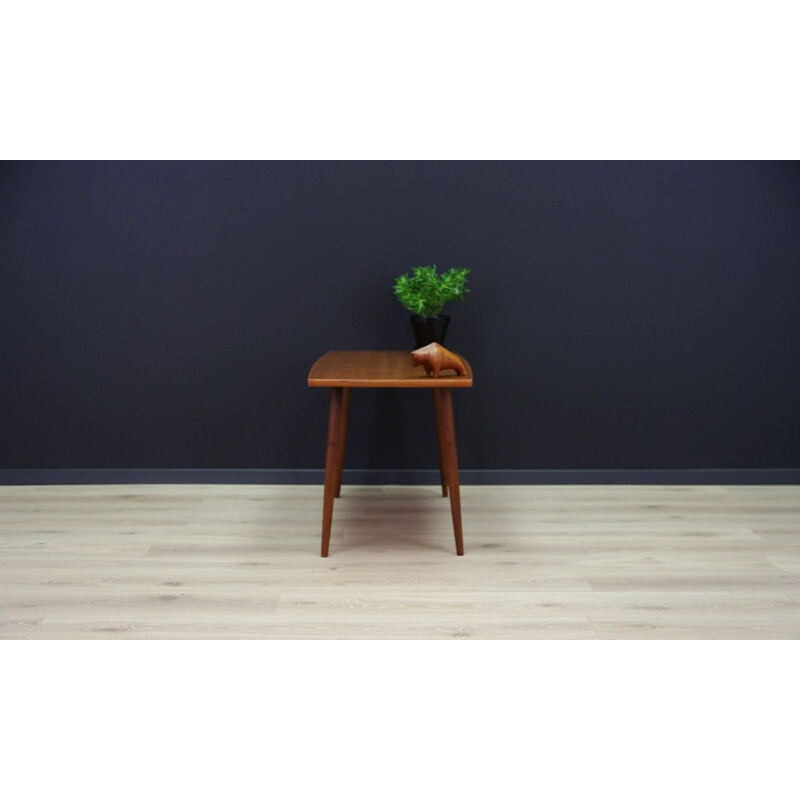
(541, 562)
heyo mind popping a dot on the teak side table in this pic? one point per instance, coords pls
(343, 370)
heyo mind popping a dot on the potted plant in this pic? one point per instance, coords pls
(425, 292)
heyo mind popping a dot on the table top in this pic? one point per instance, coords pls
(380, 369)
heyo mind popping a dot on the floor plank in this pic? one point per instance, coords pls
(542, 562)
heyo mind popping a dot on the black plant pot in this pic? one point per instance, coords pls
(429, 329)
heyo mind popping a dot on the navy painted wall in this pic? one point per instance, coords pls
(623, 315)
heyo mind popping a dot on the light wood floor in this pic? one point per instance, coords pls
(542, 562)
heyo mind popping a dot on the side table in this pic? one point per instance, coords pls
(343, 370)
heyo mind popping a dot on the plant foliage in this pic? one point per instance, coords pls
(425, 293)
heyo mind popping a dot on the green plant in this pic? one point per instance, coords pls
(425, 293)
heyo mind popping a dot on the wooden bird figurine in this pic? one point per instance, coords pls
(435, 358)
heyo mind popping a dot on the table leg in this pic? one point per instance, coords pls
(331, 461)
(437, 406)
(451, 461)
(342, 440)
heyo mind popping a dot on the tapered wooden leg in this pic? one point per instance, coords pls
(342, 440)
(451, 462)
(440, 440)
(331, 461)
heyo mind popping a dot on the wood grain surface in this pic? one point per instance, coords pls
(544, 562)
(379, 369)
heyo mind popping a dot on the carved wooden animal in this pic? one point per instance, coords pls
(435, 358)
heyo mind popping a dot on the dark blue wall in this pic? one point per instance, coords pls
(623, 315)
